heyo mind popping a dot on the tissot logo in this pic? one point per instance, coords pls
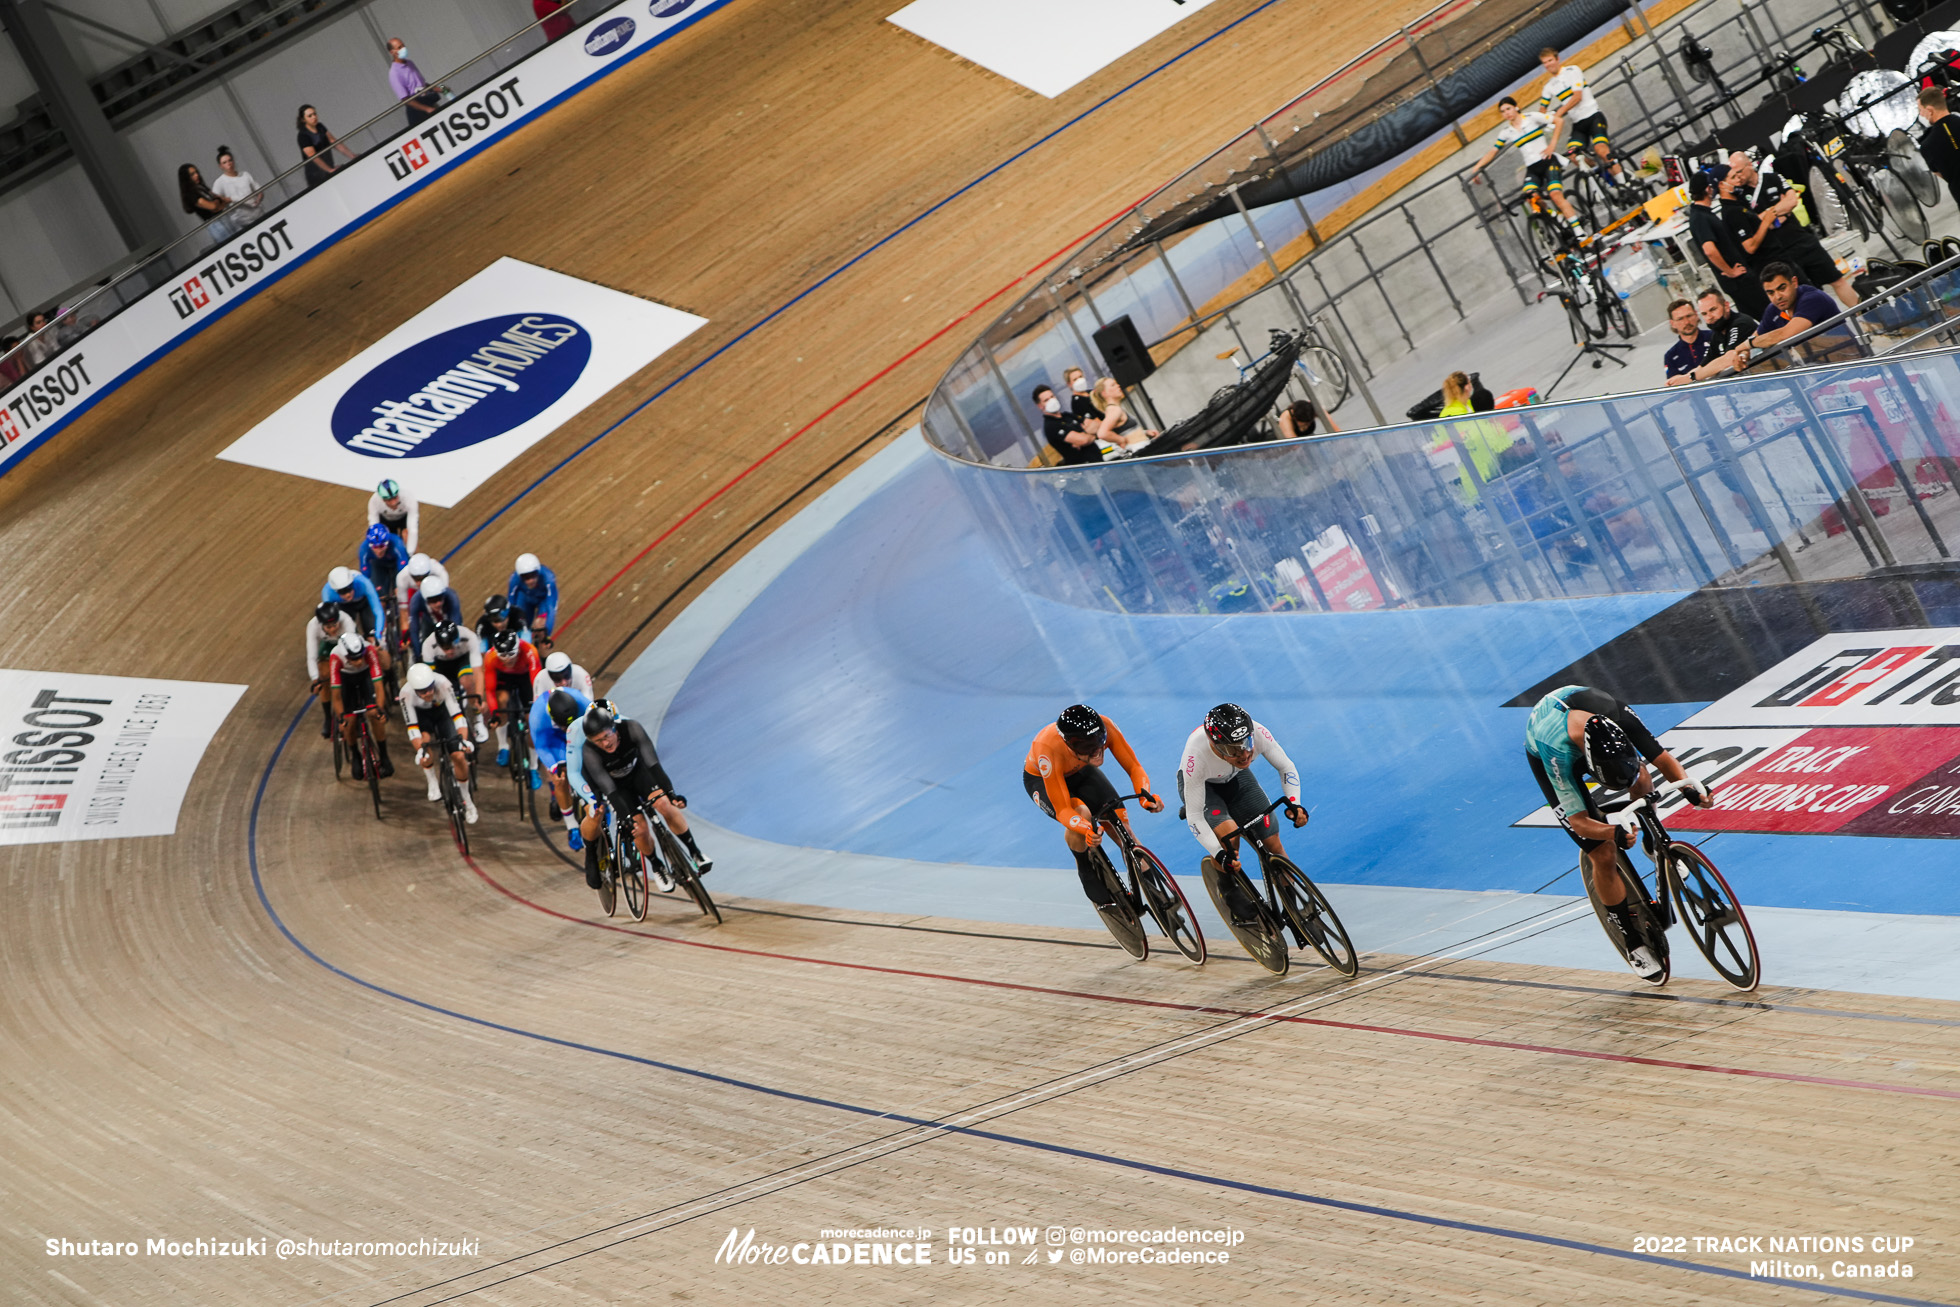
(9, 429)
(411, 157)
(608, 37)
(189, 297)
(243, 261)
(467, 385)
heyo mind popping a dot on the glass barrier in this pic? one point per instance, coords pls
(1808, 474)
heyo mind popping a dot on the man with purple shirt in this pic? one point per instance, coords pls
(406, 79)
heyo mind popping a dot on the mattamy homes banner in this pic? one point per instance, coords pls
(1045, 45)
(463, 387)
(100, 757)
(231, 273)
(1859, 734)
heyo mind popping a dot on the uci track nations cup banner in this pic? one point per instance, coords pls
(465, 386)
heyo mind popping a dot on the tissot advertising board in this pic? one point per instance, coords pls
(463, 387)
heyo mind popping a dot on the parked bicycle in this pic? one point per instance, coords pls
(1323, 371)
(1292, 904)
(1151, 889)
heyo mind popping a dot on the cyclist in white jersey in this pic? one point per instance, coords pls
(1531, 135)
(323, 632)
(1569, 102)
(1215, 783)
(456, 652)
(409, 583)
(396, 509)
(435, 727)
(561, 673)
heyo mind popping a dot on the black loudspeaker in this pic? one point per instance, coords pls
(1122, 349)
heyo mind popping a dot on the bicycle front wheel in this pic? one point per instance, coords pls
(1714, 918)
(1258, 932)
(680, 864)
(607, 858)
(633, 878)
(1310, 914)
(371, 760)
(1166, 901)
(1330, 375)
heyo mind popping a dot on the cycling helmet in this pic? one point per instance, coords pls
(527, 564)
(1610, 755)
(388, 490)
(420, 565)
(505, 644)
(561, 707)
(340, 578)
(1230, 727)
(432, 588)
(352, 645)
(495, 606)
(421, 677)
(559, 665)
(377, 536)
(328, 614)
(448, 635)
(1082, 727)
(600, 717)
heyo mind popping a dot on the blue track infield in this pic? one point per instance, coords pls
(878, 696)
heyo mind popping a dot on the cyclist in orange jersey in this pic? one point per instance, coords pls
(1063, 776)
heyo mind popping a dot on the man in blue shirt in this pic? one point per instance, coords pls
(1692, 349)
(1794, 308)
(359, 599)
(533, 599)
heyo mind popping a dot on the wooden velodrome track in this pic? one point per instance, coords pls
(289, 1020)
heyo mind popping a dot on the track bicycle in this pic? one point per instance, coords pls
(366, 755)
(1324, 372)
(1292, 903)
(521, 760)
(452, 800)
(1706, 904)
(1151, 889)
(625, 867)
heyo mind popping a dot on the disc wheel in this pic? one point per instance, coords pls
(681, 865)
(1311, 916)
(1120, 917)
(1166, 901)
(633, 878)
(1714, 918)
(1900, 205)
(1263, 938)
(1643, 912)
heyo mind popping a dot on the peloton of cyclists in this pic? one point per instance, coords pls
(354, 679)
(532, 597)
(1577, 730)
(616, 765)
(397, 510)
(1063, 775)
(1222, 799)
(435, 727)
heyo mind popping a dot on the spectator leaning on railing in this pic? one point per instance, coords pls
(200, 203)
(1794, 308)
(316, 146)
(421, 99)
(239, 190)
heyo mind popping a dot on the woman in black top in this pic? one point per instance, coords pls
(199, 202)
(316, 146)
(1299, 419)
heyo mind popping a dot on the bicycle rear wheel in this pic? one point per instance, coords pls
(1714, 918)
(1330, 375)
(520, 770)
(1312, 917)
(680, 865)
(1120, 917)
(1643, 913)
(1166, 901)
(1261, 936)
(607, 857)
(632, 872)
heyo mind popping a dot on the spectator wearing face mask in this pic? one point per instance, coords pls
(1064, 430)
(421, 99)
(239, 190)
(1080, 405)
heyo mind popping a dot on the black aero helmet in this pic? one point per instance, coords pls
(1230, 727)
(505, 644)
(561, 707)
(448, 635)
(600, 717)
(1082, 727)
(1610, 755)
(329, 615)
(495, 606)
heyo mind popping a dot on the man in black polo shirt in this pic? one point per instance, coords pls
(1718, 241)
(1064, 430)
(1789, 241)
(1729, 327)
(1941, 144)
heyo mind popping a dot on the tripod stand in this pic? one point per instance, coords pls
(1600, 355)
(1582, 337)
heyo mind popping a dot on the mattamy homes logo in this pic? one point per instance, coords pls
(1859, 734)
(100, 757)
(466, 385)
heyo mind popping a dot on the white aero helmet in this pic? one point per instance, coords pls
(419, 565)
(421, 677)
(352, 645)
(432, 588)
(558, 664)
(340, 578)
(527, 564)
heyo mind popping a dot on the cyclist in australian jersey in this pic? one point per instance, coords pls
(620, 769)
(354, 680)
(1063, 775)
(1569, 102)
(1531, 135)
(1575, 731)
(436, 729)
(1221, 798)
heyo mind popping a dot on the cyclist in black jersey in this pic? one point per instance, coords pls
(621, 768)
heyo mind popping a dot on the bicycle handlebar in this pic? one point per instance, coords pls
(1109, 809)
(1629, 816)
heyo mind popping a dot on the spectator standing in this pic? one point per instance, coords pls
(1064, 430)
(1710, 230)
(239, 190)
(405, 78)
(556, 21)
(200, 203)
(1940, 145)
(40, 342)
(1788, 240)
(316, 146)
(1299, 418)
(1730, 328)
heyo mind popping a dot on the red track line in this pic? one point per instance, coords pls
(1402, 1031)
(863, 386)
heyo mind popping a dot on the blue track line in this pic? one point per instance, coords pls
(848, 264)
(1018, 1141)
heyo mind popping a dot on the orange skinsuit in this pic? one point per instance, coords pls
(1050, 758)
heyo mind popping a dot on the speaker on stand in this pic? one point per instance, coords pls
(1121, 346)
